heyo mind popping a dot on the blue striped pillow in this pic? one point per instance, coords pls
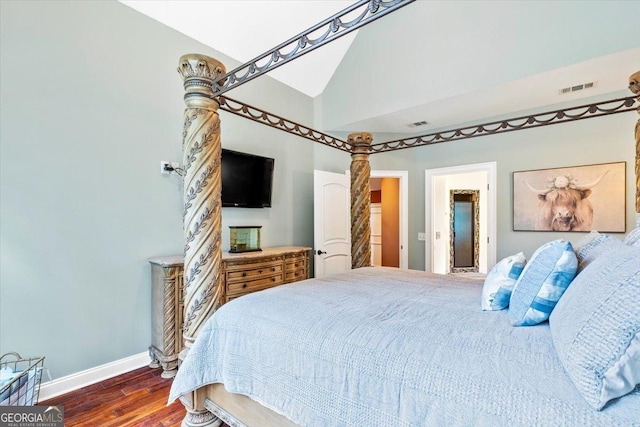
(500, 282)
(542, 282)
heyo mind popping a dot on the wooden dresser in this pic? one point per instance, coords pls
(242, 273)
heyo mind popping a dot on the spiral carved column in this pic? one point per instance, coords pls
(201, 149)
(634, 86)
(360, 200)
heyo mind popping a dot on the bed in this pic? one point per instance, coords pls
(380, 346)
(384, 346)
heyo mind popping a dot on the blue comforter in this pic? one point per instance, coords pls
(389, 347)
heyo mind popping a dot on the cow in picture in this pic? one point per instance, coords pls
(564, 205)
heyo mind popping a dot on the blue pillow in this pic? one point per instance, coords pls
(542, 282)
(500, 282)
(596, 326)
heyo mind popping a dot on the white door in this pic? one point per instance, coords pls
(332, 223)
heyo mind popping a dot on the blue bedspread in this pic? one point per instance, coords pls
(389, 347)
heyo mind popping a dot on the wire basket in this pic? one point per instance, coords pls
(20, 379)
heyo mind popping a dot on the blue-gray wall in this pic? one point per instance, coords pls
(91, 103)
(449, 49)
(597, 140)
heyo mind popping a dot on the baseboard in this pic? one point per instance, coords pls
(81, 379)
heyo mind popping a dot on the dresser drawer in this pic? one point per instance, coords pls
(294, 263)
(243, 272)
(257, 284)
(294, 276)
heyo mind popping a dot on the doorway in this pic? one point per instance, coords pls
(394, 186)
(332, 237)
(464, 231)
(438, 183)
(385, 222)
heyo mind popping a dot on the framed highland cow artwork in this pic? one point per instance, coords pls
(573, 198)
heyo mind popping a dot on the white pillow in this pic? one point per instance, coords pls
(633, 238)
(500, 282)
(585, 241)
(596, 326)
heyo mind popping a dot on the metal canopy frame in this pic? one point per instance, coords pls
(615, 106)
(620, 105)
(329, 30)
(261, 116)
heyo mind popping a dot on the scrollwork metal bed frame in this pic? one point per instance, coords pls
(205, 82)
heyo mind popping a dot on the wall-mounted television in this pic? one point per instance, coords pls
(246, 180)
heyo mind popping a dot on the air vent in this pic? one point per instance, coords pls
(576, 88)
(417, 124)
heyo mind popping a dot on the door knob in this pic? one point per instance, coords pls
(320, 252)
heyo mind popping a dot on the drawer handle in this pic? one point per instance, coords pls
(260, 271)
(244, 274)
(273, 269)
(273, 279)
(244, 285)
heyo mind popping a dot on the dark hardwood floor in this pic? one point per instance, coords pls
(137, 398)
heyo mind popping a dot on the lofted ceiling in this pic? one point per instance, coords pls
(243, 29)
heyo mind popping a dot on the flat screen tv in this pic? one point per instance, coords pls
(246, 180)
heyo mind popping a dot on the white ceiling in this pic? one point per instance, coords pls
(523, 95)
(243, 29)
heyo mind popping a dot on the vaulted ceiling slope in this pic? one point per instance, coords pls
(451, 63)
(447, 63)
(244, 29)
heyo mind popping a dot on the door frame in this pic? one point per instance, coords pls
(490, 168)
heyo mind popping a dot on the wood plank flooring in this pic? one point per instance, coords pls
(137, 398)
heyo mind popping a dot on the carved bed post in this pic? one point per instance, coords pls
(634, 86)
(360, 200)
(201, 150)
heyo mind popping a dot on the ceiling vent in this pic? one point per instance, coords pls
(576, 88)
(417, 124)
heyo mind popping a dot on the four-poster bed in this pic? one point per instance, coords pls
(208, 402)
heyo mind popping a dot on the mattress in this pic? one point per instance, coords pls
(384, 346)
